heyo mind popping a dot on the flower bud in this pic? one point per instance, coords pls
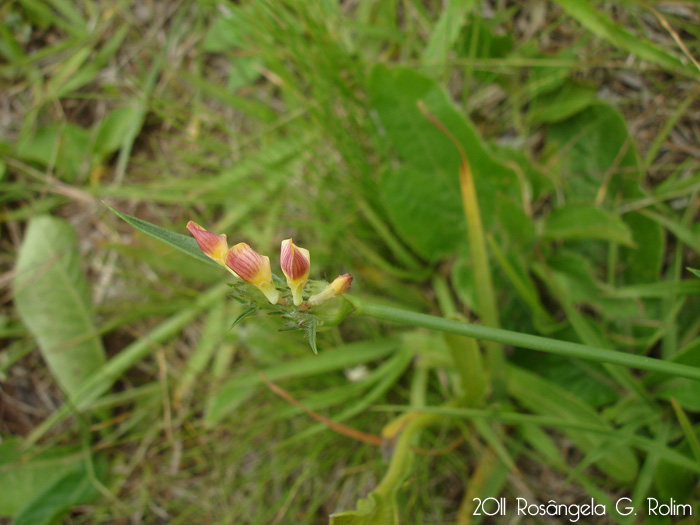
(250, 266)
(295, 263)
(340, 285)
(214, 246)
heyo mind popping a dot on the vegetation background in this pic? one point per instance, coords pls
(267, 120)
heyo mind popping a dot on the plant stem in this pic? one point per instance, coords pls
(531, 342)
(399, 466)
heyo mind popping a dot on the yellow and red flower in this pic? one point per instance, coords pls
(295, 263)
(250, 266)
(244, 262)
(214, 246)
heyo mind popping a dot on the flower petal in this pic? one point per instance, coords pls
(295, 263)
(340, 285)
(214, 246)
(250, 266)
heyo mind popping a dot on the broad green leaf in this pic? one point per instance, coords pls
(686, 393)
(562, 104)
(53, 300)
(21, 480)
(99, 382)
(658, 289)
(65, 146)
(52, 504)
(536, 181)
(422, 196)
(642, 263)
(548, 78)
(575, 222)
(373, 510)
(575, 276)
(185, 243)
(596, 154)
(674, 481)
(119, 124)
(224, 34)
(244, 71)
(677, 228)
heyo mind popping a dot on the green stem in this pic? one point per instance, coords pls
(531, 342)
(400, 459)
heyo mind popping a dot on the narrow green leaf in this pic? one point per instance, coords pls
(236, 390)
(595, 21)
(688, 430)
(695, 272)
(390, 372)
(543, 397)
(246, 313)
(53, 300)
(182, 242)
(446, 31)
(312, 336)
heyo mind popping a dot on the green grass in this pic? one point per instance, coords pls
(268, 120)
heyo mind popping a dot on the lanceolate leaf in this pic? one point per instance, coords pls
(312, 336)
(53, 300)
(244, 314)
(182, 242)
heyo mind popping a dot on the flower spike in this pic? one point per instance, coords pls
(214, 246)
(337, 287)
(250, 266)
(295, 263)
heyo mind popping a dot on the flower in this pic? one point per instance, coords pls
(295, 263)
(214, 246)
(340, 285)
(250, 266)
